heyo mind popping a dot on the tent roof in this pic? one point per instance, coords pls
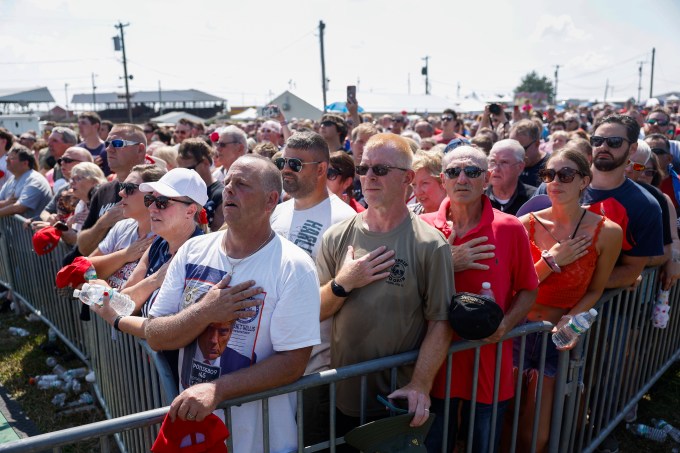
(19, 96)
(248, 114)
(173, 117)
(149, 96)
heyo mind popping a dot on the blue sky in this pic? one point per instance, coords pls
(250, 50)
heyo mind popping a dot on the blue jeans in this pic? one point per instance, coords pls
(481, 433)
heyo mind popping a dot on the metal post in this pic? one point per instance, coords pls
(640, 80)
(557, 69)
(651, 77)
(322, 26)
(94, 94)
(426, 73)
(120, 27)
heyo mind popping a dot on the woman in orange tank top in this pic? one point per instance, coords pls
(574, 252)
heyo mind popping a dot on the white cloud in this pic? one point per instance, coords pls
(588, 61)
(560, 27)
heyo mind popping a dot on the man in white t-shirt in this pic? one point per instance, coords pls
(303, 220)
(262, 280)
(6, 142)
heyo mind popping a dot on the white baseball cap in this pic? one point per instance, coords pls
(179, 182)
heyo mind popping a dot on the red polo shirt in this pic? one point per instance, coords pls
(511, 270)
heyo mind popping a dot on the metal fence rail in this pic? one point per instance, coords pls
(596, 384)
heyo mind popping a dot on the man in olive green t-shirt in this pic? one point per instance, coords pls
(387, 278)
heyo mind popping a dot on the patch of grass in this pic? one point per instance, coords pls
(22, 358)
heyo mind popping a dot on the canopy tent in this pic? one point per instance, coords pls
(173, 117)
(248, 114)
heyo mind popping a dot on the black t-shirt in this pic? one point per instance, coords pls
(103, 199)
(530, 174)
(665, 214)
(214, 200)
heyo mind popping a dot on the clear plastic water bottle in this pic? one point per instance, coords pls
(76, 373)
(568, 334)
(46, 385)
(19, 332)
(94, 294)
(640, 430)
(51, 362)
(51, 335)
(90, 274)
(487, 291)
(59, 370)
(668, 429)
(59, 399)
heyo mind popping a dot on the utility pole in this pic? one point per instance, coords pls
(408, 82)
(66, 96)
(651, 77)
(94, 94)
(425, 71)
(641, 63)
(557, 69)
(458, 91)
(120, 45)
(322, 26)
(606, 88)
(160, 99)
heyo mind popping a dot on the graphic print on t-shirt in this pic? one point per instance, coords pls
(307, 236)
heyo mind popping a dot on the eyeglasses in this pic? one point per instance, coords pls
(224, 144)
(294, 163)
(77, 179)
(636, 165)
(502, 164)
(471, 171)
(119, 143)
(332, 173)
(67, 160)
(659, 151)
(564, 175)
(649, 172)
(447, 118)
(268, 131)
(128, 187)
(378, 170)
(161, 201)
(612, 142)
(526, 148)
(654, 121)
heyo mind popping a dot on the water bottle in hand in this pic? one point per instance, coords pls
(568, 334)
(94, 294)
(647, 432)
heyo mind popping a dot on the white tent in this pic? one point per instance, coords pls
(248, 114)
(173, 117)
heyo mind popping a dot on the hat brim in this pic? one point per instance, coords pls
(389, 433)
(160, 187)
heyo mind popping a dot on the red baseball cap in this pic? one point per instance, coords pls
(183, 436)
(45, 240)
(74, 273)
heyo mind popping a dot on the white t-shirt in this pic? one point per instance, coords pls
(287, 320)
(123, 233)
(4, 174)
(305, 228)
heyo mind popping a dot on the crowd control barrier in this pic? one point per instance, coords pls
(597, 383)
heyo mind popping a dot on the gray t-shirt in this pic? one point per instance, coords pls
(31, 190)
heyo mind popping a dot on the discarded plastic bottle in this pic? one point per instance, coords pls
(59, 371)
(59, 399)
(568, 334)
(51, 335)
(668, 429)
(44, 377)
(487, 291)
(19, 332)
(46, 385)
(640, 430)
(94, 294)
(51, 362)
(76, 373)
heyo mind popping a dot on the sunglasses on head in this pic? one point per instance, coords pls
(67, 160)
(294, 163)
(654, 121)
(119, 143)
(471, 171)
(378, 170)
(332, 173)
(564, 175)
(636, 165)
(612, 142)
(161, 201)
(128, 187)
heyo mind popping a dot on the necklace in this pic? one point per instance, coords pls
(231, 263)
(572, 235)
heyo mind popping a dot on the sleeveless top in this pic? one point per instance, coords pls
(565, 289)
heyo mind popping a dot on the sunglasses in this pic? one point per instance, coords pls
(636, 165)
(119, 143)
(294, 163)
(332, 174)
(612, 142)
(471, 171)
(378, 170)
(526, 148)
(128, 187)
(67, 160)
(447, 118)
(650, 172)
(224, 144)
(654, 121)
(161, 201)
(659, 151)
(564, 175)
(327, 123)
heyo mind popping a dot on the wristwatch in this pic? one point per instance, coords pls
(550, 260)
(338, 290)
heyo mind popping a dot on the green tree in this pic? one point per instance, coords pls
(532, 83)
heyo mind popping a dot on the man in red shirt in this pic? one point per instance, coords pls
(449, 123)
(487, 246)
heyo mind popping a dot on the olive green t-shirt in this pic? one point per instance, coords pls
(388, 316)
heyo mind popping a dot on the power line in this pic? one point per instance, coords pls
(605, 68)
(54, 61)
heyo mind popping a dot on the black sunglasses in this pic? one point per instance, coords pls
(565, 175)
(332, 173)
(659, 151)
(294, 163)
(119, 143)
(128, 187)
(654, 121)
(471, 171)
(612, 142)
(161, 201)
(327, 123)
(447, 118)
(378, 170)
(67, 160)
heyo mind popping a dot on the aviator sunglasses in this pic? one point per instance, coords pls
(471, 171)
(161, 201)
(294, 163)
(612, 142)
(378, 170)
(564, 175)
(128, 187)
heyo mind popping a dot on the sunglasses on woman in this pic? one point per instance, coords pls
(161, 201)
(612, 142)
(564, 175)
(128, 187)
(471, 171)
(378, 170)
(294, 163)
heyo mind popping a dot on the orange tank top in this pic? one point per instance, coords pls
(565, 289)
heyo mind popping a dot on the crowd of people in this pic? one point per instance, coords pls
(259, 252)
